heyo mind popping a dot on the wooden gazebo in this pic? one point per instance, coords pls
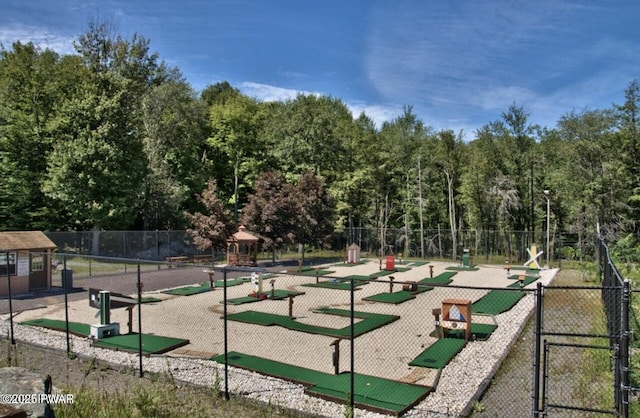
(242, 249)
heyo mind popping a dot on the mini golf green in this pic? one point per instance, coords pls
(75, 328)
(527, 281)
(397, 297)
(439, 354)
(314, 273)
(441, 279)
(275, 295)
(478, 332)
(151, 344)
(419, 263)
(359, 279)
(372, 393)
(460, 268)
(497, 301)
(334, 284)
(369, 322)
(205, 287)
(381, 273)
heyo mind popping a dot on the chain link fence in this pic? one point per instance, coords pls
(390, 335)
(485, 246)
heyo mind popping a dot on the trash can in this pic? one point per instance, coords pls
(466, 258)
(67, 279)
(390, 263)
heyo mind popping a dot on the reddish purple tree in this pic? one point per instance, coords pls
(212, 228)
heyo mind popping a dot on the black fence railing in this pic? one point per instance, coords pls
(336, 337)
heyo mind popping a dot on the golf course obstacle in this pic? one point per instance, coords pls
(456, 315)
(105, 328)
(466, 259)
(532, 262)
(212, 282)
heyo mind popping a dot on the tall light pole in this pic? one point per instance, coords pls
(547, 249)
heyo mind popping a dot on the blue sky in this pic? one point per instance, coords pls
(459, 63)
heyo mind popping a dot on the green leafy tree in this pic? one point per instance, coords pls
(235, 139)
(175, 125)
(97, 165)
(32, 84)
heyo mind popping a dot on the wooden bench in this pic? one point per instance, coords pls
(177, 261)
(201, 258)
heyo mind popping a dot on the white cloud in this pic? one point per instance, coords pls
(43, 38)
(378, 113)
(268, 93)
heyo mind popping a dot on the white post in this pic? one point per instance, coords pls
(548, 250)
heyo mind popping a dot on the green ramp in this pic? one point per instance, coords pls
(397, 297)
(151, 344)
(75, 328)
(441, 279)
(372, 393)
(439, 354)
(369, 322)
(497, 301)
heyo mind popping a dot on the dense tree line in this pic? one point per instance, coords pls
(113, 138)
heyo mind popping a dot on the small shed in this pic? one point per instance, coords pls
(25, 257)
(353, 254)
(242, 249)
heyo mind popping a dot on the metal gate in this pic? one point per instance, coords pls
(581, 354)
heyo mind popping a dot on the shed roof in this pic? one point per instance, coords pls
(25, 240)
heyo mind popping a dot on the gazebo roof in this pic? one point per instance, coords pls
(243, 235)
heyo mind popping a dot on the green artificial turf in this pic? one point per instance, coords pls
(75, 328)
(381, 273)
(441, 279)
(333, 284)
(368, 322)
(206, 287)
(314, 273)
(439, 354)
(275, 295)
(478, 331)
(460, 268)
(151, 344)
(497, 301)
(370, 392)
(527, 281)
(397, 297)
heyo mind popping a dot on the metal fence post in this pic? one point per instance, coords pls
(139, 285)
(352, 377)
(226, 335)
(13, 341)
(536, 361)
(624, 350)
(66, 302)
